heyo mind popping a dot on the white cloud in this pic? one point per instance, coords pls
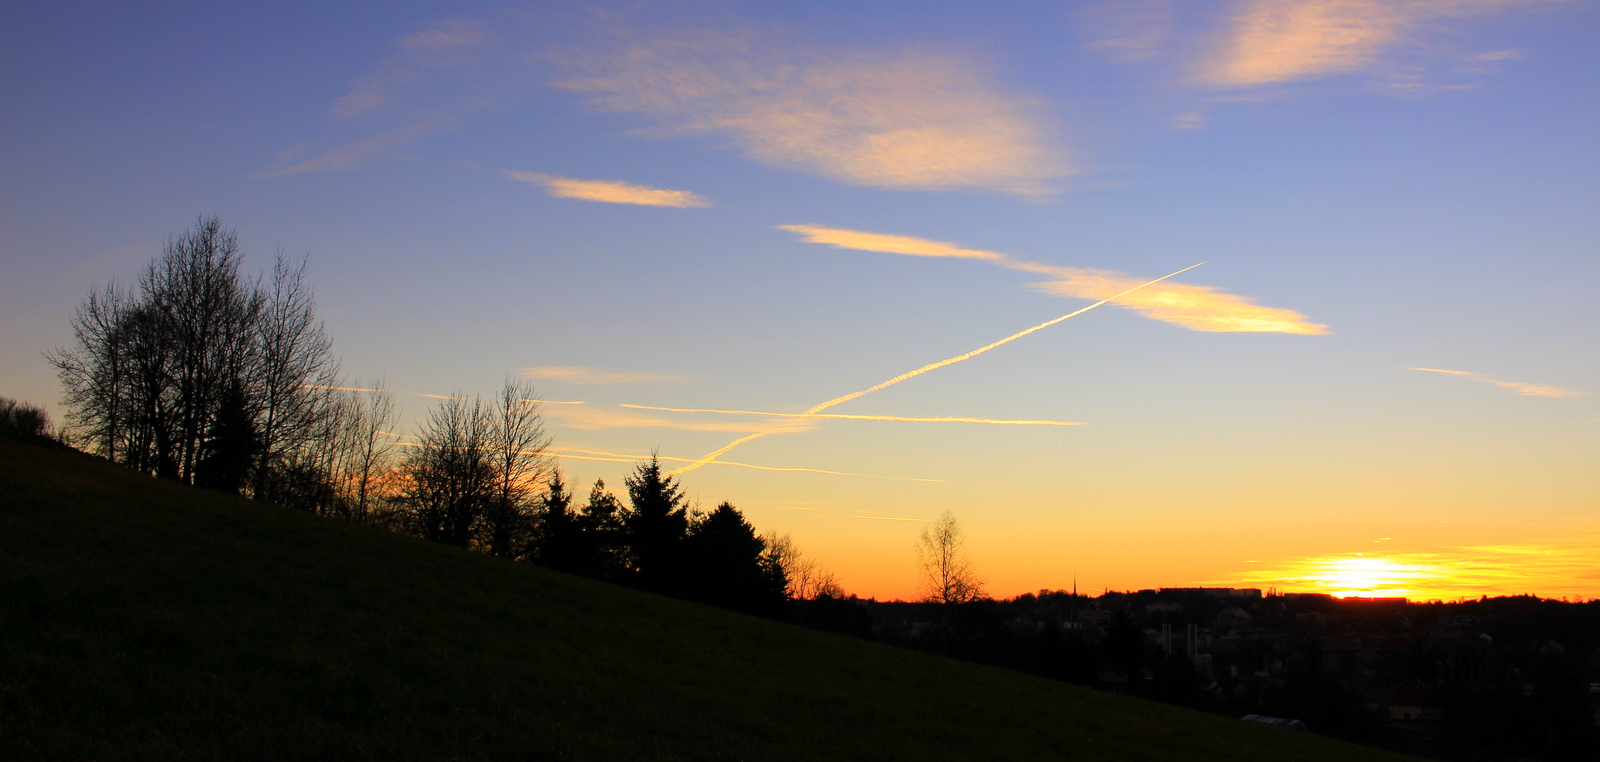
(609, 191)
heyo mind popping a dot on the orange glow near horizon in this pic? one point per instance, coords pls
(1565, 567)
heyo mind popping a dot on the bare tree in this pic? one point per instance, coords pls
(199, 374)
(294, 355)
(806, 579)
(947, 574)
(516, 451)
(451, 479)
(374, 443)
(94, 373)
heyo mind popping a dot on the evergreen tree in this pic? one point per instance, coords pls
(727, 565)
(559, 545)
(656, 527)
(604, 546)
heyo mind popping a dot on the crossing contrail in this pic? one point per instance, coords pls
(812, 413)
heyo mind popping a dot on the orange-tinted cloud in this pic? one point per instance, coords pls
(1199, 308)
(1531, 390)
(1273, 41)
(589, 418)
(914, 120)
(610, 191)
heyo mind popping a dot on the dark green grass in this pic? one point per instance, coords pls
(146, 620)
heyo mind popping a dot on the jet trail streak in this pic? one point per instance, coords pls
(812, 413)
(900, 418)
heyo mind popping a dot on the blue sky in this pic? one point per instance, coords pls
(743, 206)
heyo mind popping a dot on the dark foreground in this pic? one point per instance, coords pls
(147, 620)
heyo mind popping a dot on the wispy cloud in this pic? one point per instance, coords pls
(415, 60)
(1274, 41)
(930, 367)
(1532, 390)
(353, 155)
(1130, 31)
(612, 457)
(913, 119)
(589, 418)
(609, 191)
(838, 416)
(1199, 308)
(1189, 120)
(574, 374)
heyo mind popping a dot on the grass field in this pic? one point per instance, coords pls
(146, 620)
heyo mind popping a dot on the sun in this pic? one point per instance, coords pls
(1364, 576)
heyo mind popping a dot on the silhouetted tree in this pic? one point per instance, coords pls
(294, 362)
(727, 565)
(197, 373)
(805, 578)
(948, 578)
(451, 479)
(516, 454)
(655, 527)
(231, 444)
(560, 544)
(602, 532)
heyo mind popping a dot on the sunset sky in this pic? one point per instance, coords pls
(704, 221)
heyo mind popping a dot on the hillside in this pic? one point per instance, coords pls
(147, 620)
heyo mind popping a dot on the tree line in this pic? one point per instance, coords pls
(202, 374)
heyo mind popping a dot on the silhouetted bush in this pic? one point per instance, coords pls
(24, 420)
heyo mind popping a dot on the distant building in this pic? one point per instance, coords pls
(1276, 722)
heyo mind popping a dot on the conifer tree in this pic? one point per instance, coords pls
(656, 527)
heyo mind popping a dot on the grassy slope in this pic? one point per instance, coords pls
(141, 619)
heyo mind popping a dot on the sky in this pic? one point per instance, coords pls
(700, 228)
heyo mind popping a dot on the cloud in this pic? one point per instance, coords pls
(612, 457)
(416, 59)
(908, 375)
(353, 155)
(1199, 308)
(1191, 120)
(448, 33)
(609, 191)
(893, 244)
(906, 120)
(1274, 41)
(580, 375)
(594, 419)
(1531, 390)
(896, 418)
(1497, 55)
(1130, 31)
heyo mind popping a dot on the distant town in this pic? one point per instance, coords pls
(1463, 680)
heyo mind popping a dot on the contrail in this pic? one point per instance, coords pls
(924, 369)
(900, 418)
(615, 457)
